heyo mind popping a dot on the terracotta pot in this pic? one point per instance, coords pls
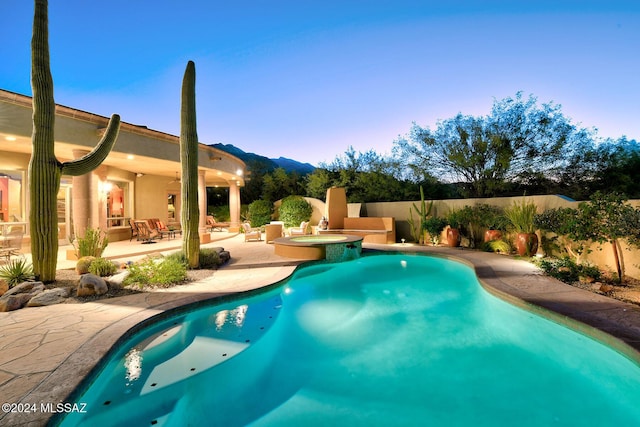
(490, 235)
(527, 244)
(453, 237)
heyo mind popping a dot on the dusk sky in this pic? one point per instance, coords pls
(307, 79)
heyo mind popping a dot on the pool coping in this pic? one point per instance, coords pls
(610, 321)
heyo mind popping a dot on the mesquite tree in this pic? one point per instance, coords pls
(44, 168)
(190, 218)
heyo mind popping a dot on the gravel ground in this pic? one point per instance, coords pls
(69, 279)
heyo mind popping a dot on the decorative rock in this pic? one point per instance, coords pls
(90, 284)
(117, 279)
(49, 297)
(19, 295)
(4, 287)
(225, 256)
(606, 288)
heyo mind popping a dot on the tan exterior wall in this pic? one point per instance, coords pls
(151, 197)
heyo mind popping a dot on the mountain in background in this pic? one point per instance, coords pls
(264, 163)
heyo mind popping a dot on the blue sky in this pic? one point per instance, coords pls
(307, 79)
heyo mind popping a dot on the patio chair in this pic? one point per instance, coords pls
(298, 231)
(145, 233)
(213, 224)
(251, 233)
(11, 243)
(134, 230)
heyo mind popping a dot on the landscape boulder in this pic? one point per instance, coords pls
(90, 284)
(116, 280)
(49, 297)
(19, 295)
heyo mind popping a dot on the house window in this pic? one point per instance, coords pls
(173, 208)
(11, 197)
(118, 209)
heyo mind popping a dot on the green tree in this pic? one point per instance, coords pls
(611, 220)
(571, 227)
(279, 184)
(485, 154)
(618, 167)
(44, 168)
(366, 177)
(317, 183)
(259, 212)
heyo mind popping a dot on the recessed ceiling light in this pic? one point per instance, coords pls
(130, 156)
(10, 138)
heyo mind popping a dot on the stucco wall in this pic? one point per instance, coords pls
(151, 196)
(601, 255)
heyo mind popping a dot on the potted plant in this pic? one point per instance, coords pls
(522, 218)
(453, 232)
(493, 219)
(434, 226)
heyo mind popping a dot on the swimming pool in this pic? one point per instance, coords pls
(387, 340)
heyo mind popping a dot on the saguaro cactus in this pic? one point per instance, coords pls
(190, 218)
(44, 168)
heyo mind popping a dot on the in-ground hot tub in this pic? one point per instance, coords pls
(332, 247)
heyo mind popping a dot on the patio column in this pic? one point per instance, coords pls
(81, 195)
(89, 208)
(234, 206)
(202, 200)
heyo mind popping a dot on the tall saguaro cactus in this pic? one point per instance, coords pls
(44, 168)
(190, 218)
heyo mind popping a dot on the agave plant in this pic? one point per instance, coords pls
(16, 271)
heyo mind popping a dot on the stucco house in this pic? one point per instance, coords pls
(139, 178)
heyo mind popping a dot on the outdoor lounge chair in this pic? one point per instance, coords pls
(251, 233)
(297, 231)
(145, 233)
(214, 225)
(134, 230)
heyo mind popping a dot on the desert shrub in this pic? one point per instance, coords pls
(93, 243)
(259, 213)
(499, 245)
(103, 267)
(16, 271)
(161, 272)
(566, 270)
(434, 226)
(83, 264)
(221, 213)
(179, 256)
(209, 258)
(294, 210)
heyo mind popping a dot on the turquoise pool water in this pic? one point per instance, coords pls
(385, 340)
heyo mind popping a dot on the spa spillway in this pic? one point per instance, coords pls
(332, 247)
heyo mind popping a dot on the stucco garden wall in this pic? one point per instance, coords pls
(600, 255)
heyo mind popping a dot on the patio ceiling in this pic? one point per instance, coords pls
(126, 161)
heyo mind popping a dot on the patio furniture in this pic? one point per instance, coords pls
(11, 242)
(145, 233)
(251, 233)
(272, 231)
(169, 231)
(134, 230)
(299, 231)
(213, 224)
